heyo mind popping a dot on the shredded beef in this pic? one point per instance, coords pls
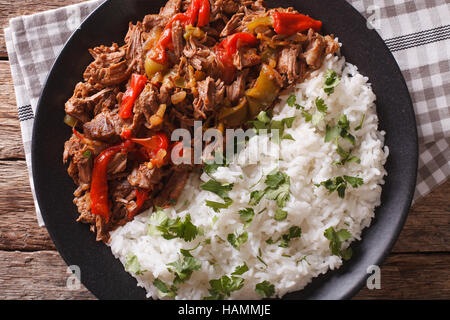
(195, 82)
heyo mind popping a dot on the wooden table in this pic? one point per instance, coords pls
(31, 268)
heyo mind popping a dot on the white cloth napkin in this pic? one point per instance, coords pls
(417, 33)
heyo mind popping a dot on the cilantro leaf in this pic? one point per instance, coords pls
(221, 189)
(164, 290)
(265, 289)
(287, 136)
(307, 116)
(294, 232)
(355, 182)
(275, 179)
(239, 270)
(331, 81)
(223, 287)
(336, 239)
(255, 197)
(339, 184)
(132, 264)
(174, 228)
(237, 240)
(288, 121)
(291, 100)
(321, 106)
(219, 160)
(247, 215)
(360, 123)
(280, 215)
(278, 184)
(183, 268)
(216, 206)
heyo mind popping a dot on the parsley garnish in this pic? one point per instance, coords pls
(339, 184)
(331, 81)
(265, 289)
(336, 240)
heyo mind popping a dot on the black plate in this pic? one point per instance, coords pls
(101, 273)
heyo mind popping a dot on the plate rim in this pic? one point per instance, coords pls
(393, 237)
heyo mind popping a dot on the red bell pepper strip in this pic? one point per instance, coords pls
(198, 11)
(137, 84)
(126, 134)
(228, 48)
(289, 23)
(158, 53)
(99, 183)
(154, 144)
(141, 196)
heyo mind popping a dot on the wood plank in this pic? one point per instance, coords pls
(427, 228)
(11, 9)
(43, 275)
(19, 229)
(10, 136)
(413, 276)
(36, 275)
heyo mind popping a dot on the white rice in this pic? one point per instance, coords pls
(307, 161)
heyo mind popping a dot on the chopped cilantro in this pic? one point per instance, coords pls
(294, 232)
(165, 290)
(336, 239)
(265, 289)
(216, 206)
(239, 270)
(291, 100)
(223, 287)
(237, 240)
(331, 81)
(280, 215)
(321, 106)
(169, 229)
(87, 154)
(183, 267)
(132, 265)
(247, 215)
(360, 123)
(221, 189)
(278, 184)
(339, 184)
